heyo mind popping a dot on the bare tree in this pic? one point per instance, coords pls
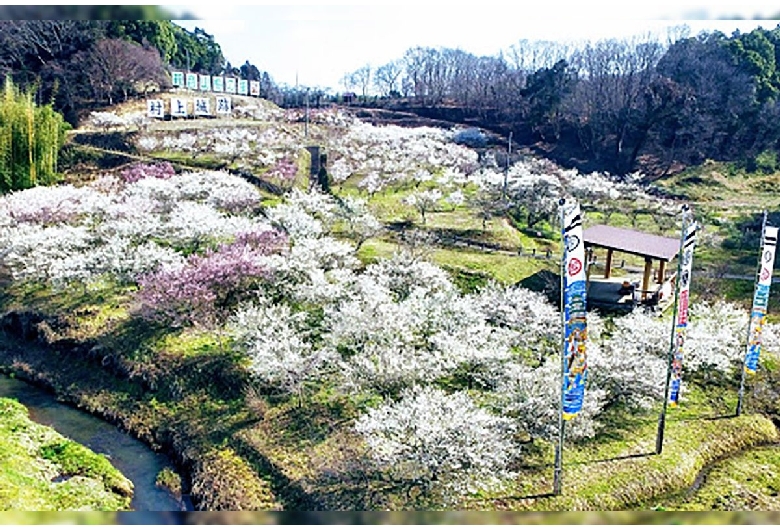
(426, 74)
(529, 56)
(609, 98)
(387, 78)
(116, 66)
(362, 79)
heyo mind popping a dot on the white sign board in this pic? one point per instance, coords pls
(155, 108)
(202, 107)
(178, 107)
(223, 105)
(177, 78)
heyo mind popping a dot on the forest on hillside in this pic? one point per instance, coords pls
(80, 65)
(619, 105)
(649, 104)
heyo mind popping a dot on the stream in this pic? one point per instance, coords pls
(131, 457)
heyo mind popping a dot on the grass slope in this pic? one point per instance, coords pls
(40, 470)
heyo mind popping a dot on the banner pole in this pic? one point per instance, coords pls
(659, 438)
(559, 447)
(741, 393)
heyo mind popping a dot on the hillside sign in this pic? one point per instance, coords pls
(217, 83)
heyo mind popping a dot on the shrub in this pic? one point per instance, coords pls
(470, 138)
(765, 162)
(206, 287)
(136, 172)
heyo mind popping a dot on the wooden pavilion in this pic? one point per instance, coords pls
(656, 286)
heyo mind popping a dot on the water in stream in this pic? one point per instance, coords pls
(134, 459)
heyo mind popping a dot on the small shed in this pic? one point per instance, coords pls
(651, 247)
(314, 167)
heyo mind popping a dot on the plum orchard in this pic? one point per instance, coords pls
(451, 375)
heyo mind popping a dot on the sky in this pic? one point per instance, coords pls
(314, 45)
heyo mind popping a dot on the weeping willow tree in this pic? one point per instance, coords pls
(30, 139)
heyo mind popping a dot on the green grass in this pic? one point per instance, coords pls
(461, 222)
(747, 482)
(375, 249)
(42, 470)
(718, 184)
(621, 471)
(191, 342)
(58, 518)
(168, 478)
(505, 268)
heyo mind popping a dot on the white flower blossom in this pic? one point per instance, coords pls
(444, 442)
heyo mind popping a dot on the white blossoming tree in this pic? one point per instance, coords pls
(629, 361)
(535, 323)
(360, 223)
(424, 201)
(438, 447)
(532, 397)
(275, 340)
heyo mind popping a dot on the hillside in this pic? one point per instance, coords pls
(368, 348)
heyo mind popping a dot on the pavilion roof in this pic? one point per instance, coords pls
(631, 242)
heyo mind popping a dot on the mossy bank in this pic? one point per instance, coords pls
(41, 470)
(191, 429)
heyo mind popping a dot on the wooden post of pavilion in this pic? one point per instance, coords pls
(646, 277)
(588, 263)
(661, 271)
(608, 264)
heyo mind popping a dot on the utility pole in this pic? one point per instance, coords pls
(306, 120)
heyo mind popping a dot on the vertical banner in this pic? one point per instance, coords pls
(230, 85)
(575, 330)
(177, 79)
(202, 107)
(178, 107)
(155, 108)
(223, 105)
(243, 86)
(684, 282)
(761, 298)
(254, 88)
(192, 81)
(218, 83)
(205, 82)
